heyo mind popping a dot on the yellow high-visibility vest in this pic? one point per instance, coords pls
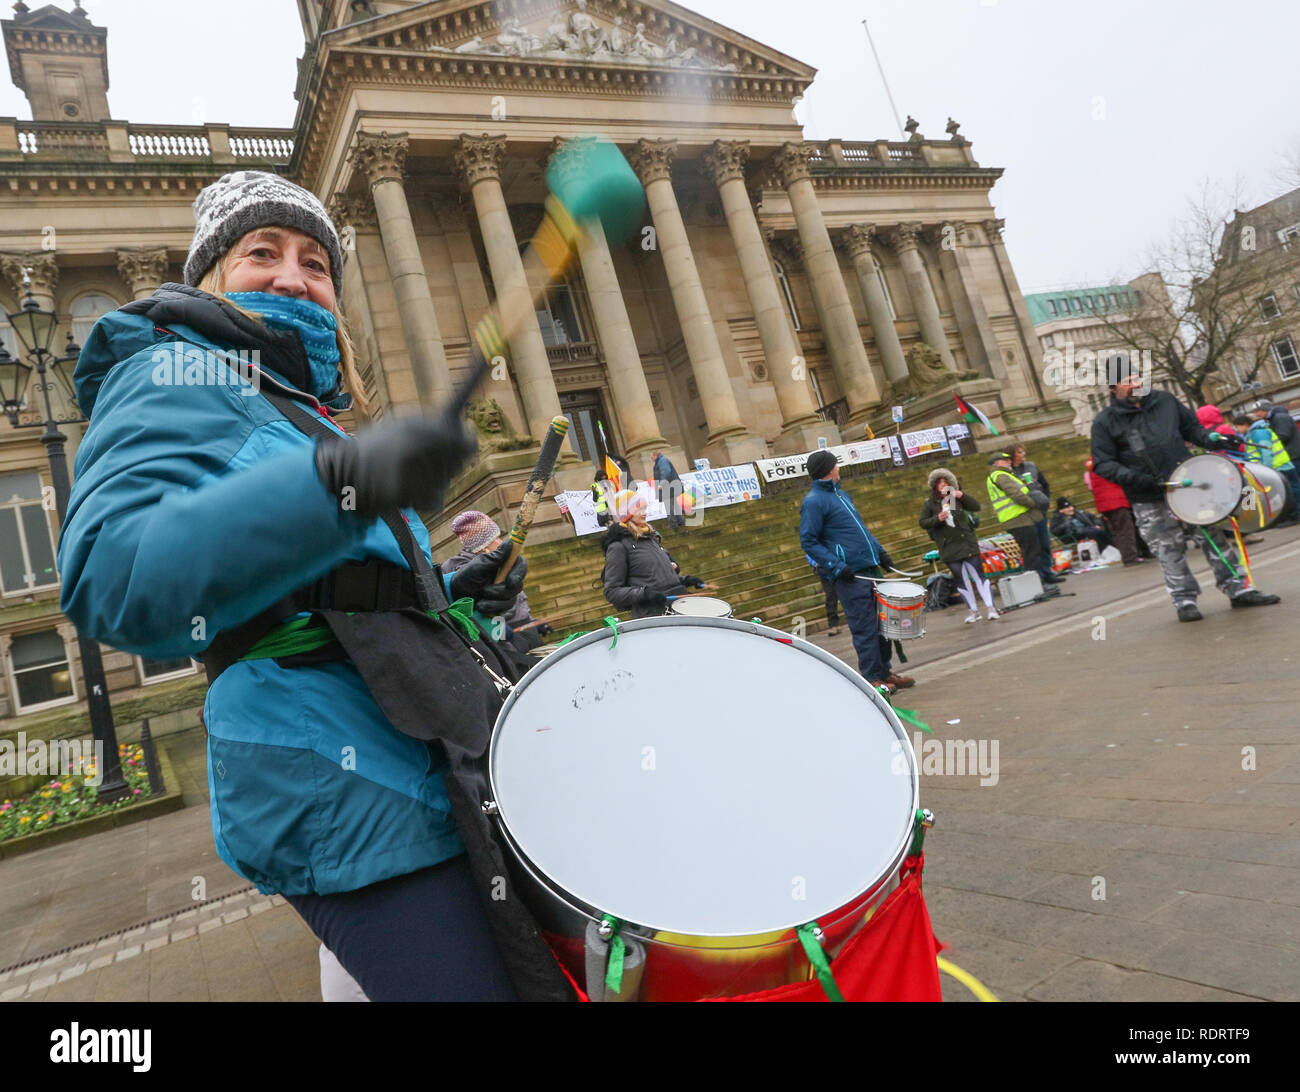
(1003, 506)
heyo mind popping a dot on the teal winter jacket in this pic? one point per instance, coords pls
(196, 506)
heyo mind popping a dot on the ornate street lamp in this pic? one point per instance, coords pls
(35, 328)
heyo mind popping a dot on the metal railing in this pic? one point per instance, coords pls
(580, 351)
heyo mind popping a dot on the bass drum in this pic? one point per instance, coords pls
(711, 821)
(1223, 488)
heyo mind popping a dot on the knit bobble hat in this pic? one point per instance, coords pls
(244, 201)
(821, 463)
(475, 530)
(626, 504)
(1063, 502)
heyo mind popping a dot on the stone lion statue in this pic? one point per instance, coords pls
(495, 432)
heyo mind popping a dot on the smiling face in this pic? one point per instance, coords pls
(282, 262)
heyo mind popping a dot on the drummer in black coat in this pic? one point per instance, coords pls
(1138, 441)
(640, 575)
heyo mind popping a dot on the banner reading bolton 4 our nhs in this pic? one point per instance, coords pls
(724, 485)
(796, 466)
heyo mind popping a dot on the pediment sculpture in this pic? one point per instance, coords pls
(582, 37)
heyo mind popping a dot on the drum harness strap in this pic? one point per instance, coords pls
(373, 585)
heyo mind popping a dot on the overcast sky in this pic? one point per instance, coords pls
(1107, 116)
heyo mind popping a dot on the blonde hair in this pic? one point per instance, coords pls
(214, 283)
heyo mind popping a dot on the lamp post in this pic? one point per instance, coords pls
(35, 329)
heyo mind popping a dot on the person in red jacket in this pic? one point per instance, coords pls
(1116, 513)
(1212, 419)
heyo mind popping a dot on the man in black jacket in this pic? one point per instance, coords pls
(1137, 441)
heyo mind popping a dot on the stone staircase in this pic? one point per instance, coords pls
(751, 551)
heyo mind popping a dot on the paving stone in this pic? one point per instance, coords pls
(1090, 980)
(182, 934)
(128, 953)
(1242, 918)
(1004, 966)
(156, 942)
(13, 992)
(1256, 970)
(234, 915)
(72, 972)
(209, 925)
(1129, 900)
(99, 961)
(260, 907)
(42, 982)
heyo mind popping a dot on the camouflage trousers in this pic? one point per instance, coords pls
(1167, 537)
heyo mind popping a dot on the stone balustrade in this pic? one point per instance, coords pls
(115, 142)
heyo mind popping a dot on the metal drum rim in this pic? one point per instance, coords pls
(579, 906)
(1175, 473)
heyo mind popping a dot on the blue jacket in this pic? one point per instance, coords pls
(832, 533)
(196, 507)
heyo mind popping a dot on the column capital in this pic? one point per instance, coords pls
(479, 157)
(39, 265)
(354, 210)
(724, 161)
(993, 229)
(381, 157)
(857, 238)
(573, 161)
(905, 237)
(142, 268)
(653, 160)
(791, 163)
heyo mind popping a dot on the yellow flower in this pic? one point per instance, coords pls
(24, 819)
(67, 787)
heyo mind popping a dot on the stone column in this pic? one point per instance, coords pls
(724, 163)
(906, 240)
(839, 325)
(478, 158)
(728, 435)
(857, 240)
(381, 157)
(972, 318)
(43, 271)
(1024, 324)
(144, 270)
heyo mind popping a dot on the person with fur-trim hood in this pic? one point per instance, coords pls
(640, 575)
(949, 514)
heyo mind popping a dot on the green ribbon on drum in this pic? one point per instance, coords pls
(617, 950)
(810, 937)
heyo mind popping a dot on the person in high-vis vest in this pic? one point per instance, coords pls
(1017, 508)
(1263, 445)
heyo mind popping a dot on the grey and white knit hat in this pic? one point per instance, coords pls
(243, 201)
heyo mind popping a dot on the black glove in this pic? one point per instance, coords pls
(405, 462)
(477, 580)
(692, 581)
(886, 562)
(653, 598)
(545, 630)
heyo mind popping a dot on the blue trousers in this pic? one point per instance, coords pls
(419, 937)
(861, 611)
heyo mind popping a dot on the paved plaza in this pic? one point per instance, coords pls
(1127, 851)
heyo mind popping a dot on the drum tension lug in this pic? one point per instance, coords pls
(927, 818)
(490, 807)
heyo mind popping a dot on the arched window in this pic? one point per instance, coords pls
(86, 310)
(884, 287)
(785, 291)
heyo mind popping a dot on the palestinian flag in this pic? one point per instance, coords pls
(971, 414)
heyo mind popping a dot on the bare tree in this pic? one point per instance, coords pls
(1197, 313)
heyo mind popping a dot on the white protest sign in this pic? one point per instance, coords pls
(725, 485)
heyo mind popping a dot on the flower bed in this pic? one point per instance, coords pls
(73, 796)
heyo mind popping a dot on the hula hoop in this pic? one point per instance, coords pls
(967, 979)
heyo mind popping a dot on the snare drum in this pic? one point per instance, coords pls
(710, 826)
(700, 606)
(1223, 488)
(902, 614)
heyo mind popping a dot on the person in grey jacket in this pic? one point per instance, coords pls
(640, 575)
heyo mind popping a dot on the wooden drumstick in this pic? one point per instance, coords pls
(536, 487)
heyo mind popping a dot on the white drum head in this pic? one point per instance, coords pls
(701, 606)
(705, 776)
(1214, 494)
(900, 589)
